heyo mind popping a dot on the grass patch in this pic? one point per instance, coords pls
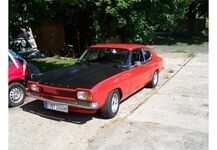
(180, 51)
(51, 63)
(191, 55)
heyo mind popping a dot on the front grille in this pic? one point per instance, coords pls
(59, 92)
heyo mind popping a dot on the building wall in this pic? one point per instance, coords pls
(50, 38)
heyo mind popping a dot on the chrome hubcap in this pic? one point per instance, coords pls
(16, 95)
(114, 102)
(155, 78)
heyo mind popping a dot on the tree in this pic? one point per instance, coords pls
(28, 13)
(111, 20)
(134, 20)
(197, 8)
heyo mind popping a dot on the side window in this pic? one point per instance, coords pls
(137, 56)
(147, 55)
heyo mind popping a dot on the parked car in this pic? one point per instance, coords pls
(103, 76)
(19, 72)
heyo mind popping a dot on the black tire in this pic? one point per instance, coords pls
(154, 81)
(107, 110)
(16, 94)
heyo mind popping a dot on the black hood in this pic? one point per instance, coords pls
(78, 75)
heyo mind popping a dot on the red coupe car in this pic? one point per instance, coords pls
(102, 77)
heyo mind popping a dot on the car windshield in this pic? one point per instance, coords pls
(105, 55)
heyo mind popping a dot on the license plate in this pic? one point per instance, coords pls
(57, 107)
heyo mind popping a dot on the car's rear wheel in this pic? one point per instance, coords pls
(154, 80)
(16, 94)
(111, 106)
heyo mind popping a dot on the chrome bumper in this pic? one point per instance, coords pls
(79, 104)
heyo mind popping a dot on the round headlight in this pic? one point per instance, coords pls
(83, 95)
(35, 88)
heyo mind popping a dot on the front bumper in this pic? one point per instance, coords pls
(75, 103)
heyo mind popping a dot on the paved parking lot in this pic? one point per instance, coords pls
(172, 116)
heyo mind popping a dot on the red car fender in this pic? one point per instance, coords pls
(15, 73)
(102, 89)
(158, 59)
(157, 62)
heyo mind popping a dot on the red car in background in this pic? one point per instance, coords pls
(18, 73)
(103, 76)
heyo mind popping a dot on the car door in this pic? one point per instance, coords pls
(138, 69)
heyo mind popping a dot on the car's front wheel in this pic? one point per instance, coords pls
(16, 94)
(111, 106)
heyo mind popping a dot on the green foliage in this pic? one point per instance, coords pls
(134, 20)
(197, 8)
(79, 3)
(111, 20)
(29, 12)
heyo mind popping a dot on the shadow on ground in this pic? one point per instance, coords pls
(166, 40)
(36, 107)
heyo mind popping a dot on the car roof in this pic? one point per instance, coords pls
(122, 46)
